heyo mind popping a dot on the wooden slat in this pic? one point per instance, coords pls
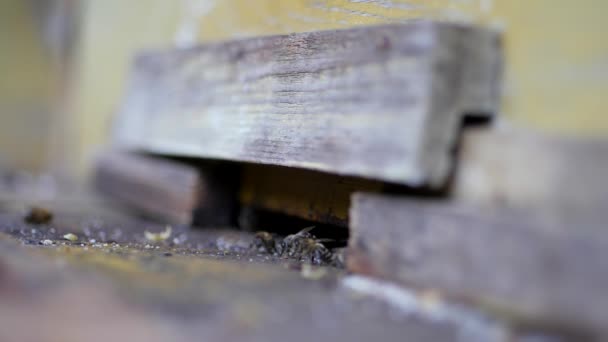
(514, 263)
(168, 190)
(561, 177)
(380, 102)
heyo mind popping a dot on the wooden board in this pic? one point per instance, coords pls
(513, 263)
(563, 178)
(380, 102)
(167, 189)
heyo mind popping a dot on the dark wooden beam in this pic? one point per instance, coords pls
(382, 102)
(169, 190)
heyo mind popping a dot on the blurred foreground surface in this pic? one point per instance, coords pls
(108, 280)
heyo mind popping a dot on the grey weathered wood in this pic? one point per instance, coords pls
(512, 262)
(561, 177)
(166, 189)
(381, 102)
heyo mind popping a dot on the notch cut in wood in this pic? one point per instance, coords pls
(382, 102)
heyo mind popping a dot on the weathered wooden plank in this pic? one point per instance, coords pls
(168, 190)
(562, 177)
(511, 262)
(380, 102)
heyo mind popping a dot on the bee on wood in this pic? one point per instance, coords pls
(313, 251)
(38, 215)
(292, 244)
(303, 246)
(265, 242)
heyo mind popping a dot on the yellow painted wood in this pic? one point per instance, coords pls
(237, 18)
(557, 64)
(112, 32)
(26, 79)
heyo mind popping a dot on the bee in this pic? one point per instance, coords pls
(313, 251)
(306, 247)
(303, 246)
(158, 237)
(291, 244)
(302, 234)
(38, 215)
(265, 242)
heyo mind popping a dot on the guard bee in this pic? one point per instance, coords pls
(306, 247)
(302, 234)
(265, 242)
(291, 244)
(302, 246)
(313, 251)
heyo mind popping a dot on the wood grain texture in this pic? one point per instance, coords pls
(561, 177)
(513, 263)
(168, 190)
(379, 102)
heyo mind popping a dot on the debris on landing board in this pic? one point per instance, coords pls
(38, 215)
(71, 237)
(160, 236)
(175, 240)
